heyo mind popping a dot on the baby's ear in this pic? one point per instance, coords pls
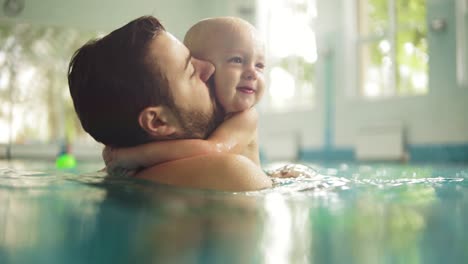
(156, 122)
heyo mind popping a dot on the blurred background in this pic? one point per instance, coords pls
(347, 79)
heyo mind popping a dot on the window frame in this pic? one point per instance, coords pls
(462, 42)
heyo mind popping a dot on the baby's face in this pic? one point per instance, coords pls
(239, 60)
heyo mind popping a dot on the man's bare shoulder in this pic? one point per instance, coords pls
(221, 171)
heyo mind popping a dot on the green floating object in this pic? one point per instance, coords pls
(65, 161)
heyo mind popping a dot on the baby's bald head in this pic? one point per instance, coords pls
(209, 35)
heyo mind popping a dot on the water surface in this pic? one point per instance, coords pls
(348, 213)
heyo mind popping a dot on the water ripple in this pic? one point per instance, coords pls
(307, 181)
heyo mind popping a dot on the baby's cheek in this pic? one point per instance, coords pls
(223, 94)
(261, 90)
(241, 104)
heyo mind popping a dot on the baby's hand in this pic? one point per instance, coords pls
(116, 166)
(292, 171)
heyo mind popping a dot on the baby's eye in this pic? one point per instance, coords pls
(260, 66)
(235, 60)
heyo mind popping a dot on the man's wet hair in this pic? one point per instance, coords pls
(112, 80)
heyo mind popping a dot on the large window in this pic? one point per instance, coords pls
(288, 29)
(392, 46)
(35, 105)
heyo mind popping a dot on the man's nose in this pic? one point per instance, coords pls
(250, 73)
(204, 68)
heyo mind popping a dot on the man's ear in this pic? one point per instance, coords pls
(155, 121)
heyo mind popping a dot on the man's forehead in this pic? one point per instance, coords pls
(172, 37)
(168, 52)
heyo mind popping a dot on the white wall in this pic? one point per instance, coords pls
(107, 15)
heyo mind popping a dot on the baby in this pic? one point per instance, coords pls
(237, 53)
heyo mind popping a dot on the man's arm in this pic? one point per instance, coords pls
(226, 172)
(232, 136)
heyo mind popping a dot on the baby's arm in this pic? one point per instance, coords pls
(235, 133)
(232, 136)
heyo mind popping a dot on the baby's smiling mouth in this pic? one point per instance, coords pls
(246, 89)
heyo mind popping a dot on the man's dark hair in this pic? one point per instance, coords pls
(111, 82)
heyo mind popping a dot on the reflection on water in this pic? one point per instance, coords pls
(344, 214)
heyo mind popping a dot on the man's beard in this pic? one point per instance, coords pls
(197, 125)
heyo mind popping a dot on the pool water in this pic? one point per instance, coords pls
(348, 213)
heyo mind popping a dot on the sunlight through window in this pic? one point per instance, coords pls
(393, 47)
(288, 28)
(33, 84)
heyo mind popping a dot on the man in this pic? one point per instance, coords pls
(140, 84)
